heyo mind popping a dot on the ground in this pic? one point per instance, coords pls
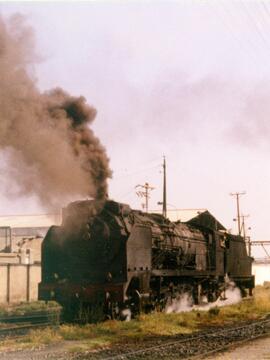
(254, 350)
(59, 351)
(71, 341)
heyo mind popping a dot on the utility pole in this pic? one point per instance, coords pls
(243, 227)
(164, 207)
(144, 193)
(246, 238)
(237, 195)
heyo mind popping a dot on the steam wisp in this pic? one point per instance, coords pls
(184, 302)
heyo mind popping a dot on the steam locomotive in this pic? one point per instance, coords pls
(106, 258)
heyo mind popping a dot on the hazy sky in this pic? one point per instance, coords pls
(185, 79)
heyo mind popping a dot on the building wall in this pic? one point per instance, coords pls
(20, 254)
(33, 247)
(3, 283)
(10, 258)
(35, 279)
(19, 282)
(261, 272)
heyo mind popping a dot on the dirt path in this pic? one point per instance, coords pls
(253, 350)
(58, 351)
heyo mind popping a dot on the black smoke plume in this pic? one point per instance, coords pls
(49, 147)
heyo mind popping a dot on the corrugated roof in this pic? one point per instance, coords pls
(181, 214)
(206, 220)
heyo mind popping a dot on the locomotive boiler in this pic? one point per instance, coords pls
(106, 257)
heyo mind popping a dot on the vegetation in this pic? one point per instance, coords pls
(23, 312)
(24, 308)
(148, 327)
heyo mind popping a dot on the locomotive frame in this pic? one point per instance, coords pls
(107, 258)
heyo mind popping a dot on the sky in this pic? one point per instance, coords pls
(188, 80)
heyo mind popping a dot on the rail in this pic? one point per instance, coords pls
(198, 346)
(18, 324)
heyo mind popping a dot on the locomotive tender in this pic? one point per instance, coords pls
(106, 257)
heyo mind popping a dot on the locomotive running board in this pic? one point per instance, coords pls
(184, 273)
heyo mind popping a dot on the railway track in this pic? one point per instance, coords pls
(18, 325)
(196, 346)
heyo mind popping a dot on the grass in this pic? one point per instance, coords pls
(39, 337)
(23, 308)
(249, 309)
(147, 327)
(13, 313)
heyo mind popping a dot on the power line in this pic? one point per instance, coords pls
(129, 192)
(234, 32)
(257, 25)
(155, 159)
(136, 172)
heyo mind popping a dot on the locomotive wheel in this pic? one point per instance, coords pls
(112, 310)
(243, 292)
(84, 313)
(137, 300)
(91, 312)
(211, 296)
(70, 310)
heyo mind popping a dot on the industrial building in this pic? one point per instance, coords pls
(21, 237)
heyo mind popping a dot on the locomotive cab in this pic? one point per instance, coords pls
(238, 263)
